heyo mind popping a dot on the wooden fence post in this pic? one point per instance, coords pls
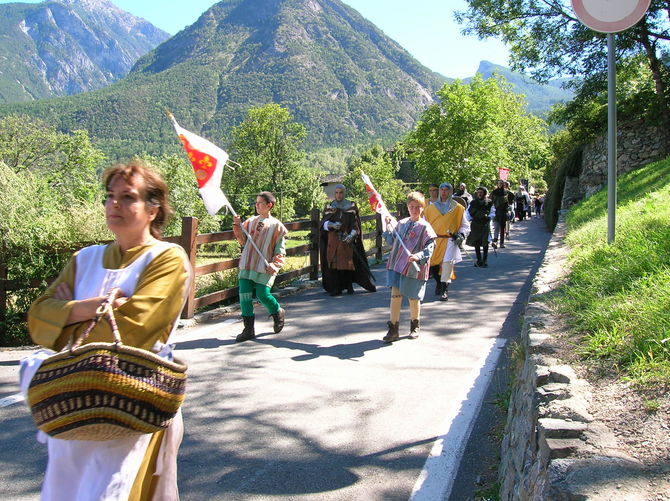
(314, 240)
(189, 232)
(378, 239)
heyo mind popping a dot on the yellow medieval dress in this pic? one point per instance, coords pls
(446, 225)
(145, 321)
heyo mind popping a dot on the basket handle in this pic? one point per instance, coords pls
(105, 309)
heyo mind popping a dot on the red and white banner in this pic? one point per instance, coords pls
(503, 172)
(375, 199)
(208, 161)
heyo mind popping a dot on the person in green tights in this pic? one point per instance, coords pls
(262, 238)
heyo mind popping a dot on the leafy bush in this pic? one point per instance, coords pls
(39, 228)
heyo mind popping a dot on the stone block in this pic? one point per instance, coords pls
(542, 374)
(561, 447)
(562, 374)
(596, 479)
(560, 428)
(553, 391)
(575, 409)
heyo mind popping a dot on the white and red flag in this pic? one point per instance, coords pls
(208, 161)
(375, 199)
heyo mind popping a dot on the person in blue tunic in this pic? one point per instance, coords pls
(412, 240)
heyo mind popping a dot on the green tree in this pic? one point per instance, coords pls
(473, 130)
(68, 162)
(546, 39)
(585, 117)
(36, 222)
(381, 167)
(267, 145)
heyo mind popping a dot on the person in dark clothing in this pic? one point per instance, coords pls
(343, 259)
(479, 213)
(462, 192)
(521, 203)
(501, 199)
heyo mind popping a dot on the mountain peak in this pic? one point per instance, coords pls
(68, 46)
(337, 72)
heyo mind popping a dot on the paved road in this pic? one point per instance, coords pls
(325, 410)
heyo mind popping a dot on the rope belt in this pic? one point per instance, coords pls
(445, 236)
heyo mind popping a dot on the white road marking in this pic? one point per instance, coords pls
(10, 400)
(439, 472)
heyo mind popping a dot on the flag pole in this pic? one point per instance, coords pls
(368, 181)
(249, 239)
(395, 232)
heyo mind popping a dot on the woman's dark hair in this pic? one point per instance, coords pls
(155, 191)
(268, 197)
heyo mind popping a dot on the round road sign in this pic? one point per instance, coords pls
(610, 16)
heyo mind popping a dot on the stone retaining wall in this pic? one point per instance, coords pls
(637, 145)
(552, 448)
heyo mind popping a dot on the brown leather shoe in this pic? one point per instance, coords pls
(392, 334)
(278, 319)
(413, 329)
(248, 332)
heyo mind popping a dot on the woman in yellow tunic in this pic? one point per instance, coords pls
(447, 217)
(153, 277)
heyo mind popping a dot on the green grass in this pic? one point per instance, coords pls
(652, 405)
(618, 296)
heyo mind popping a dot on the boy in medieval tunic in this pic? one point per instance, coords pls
(479, 213)
(343, 258)
(408, 264)
(262, 258)
(447, 217)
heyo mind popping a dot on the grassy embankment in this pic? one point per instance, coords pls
(617, 296)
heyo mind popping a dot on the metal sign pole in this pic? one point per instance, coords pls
(611, 139)
(607, 16)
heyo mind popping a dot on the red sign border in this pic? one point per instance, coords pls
(610, 26)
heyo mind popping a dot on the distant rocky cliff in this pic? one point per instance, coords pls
(68, 46)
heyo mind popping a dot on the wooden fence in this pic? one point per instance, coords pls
(190, 240)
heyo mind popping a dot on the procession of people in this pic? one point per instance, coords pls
(151, 279)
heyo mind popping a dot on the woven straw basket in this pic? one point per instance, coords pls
(105, 391)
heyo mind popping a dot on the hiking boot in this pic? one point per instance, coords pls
(278, 319)
(502, 246)
(478, 264)
(444, 296)
(413, 329)
(248, 332)
(494, 245)
(392, 334)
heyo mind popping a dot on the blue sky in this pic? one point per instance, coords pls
(426, 28)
